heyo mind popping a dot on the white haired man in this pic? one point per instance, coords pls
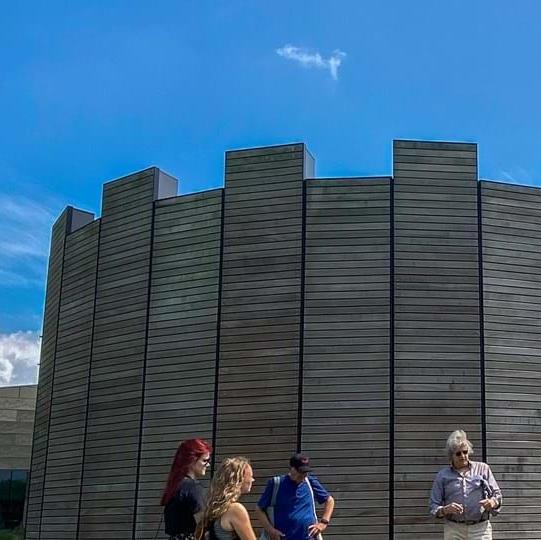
(465, 494)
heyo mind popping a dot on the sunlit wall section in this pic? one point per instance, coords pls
(17, 409)
(437, 383)
(261, 307)
(345, 391)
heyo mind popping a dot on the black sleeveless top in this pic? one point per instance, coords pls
(178, 514)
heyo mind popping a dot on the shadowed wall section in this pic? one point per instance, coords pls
(181, 354)
(36, 479)
(61, 497)
(118, 357)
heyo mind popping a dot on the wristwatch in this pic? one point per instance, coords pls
(324, 521)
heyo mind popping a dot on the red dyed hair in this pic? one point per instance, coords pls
(188, 452)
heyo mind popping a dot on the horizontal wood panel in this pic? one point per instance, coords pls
(179, 387)
(437, 319)
(511, 243)
(125, 203)
(262, 242)
(61, 498)
(159, 314)
(34, 502)
(353, 393)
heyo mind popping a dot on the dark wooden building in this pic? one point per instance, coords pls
(360, 319)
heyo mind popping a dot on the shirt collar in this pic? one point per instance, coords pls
(457, 471)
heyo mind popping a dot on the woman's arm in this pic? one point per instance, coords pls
(240, 521)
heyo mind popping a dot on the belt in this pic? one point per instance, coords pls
(468, 522)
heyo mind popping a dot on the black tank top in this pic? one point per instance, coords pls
(178, 514)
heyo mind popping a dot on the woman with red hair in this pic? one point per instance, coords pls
(183, 499)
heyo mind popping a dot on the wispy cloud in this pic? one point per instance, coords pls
(518, 175)
(19, 358)
(10, 278)
(26, 227)
(508, 176)
(313, 59)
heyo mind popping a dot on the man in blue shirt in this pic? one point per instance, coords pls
(294, 511)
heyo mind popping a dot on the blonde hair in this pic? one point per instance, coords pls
(225, 489)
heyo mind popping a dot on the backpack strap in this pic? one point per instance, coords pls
(311, 495)
(276, 485)
(318, 536)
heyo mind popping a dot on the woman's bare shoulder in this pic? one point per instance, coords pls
(237, 509)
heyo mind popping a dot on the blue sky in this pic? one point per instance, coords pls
(94, 90)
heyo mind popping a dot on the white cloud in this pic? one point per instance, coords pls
(19, 358)
(310, 59)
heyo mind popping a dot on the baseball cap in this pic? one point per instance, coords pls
(300, 462)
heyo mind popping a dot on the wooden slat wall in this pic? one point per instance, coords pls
(181, 357)
(512, 293)
(260, 308)
(116, 379)
(345, 416)
(256, 318)
(437, 327)
(69, 401)
(45, 385)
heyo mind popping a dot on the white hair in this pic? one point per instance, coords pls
(456, 440)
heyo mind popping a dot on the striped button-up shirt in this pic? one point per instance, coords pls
(467, 489)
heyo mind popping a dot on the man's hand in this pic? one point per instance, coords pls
(275, 534)
(316, 528)
(453, 508)
(488, 504)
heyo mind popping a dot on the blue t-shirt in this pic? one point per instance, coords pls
(294, 511)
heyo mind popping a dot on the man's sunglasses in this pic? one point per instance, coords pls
(462, 453)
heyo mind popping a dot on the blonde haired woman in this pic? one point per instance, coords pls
(224, 517)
